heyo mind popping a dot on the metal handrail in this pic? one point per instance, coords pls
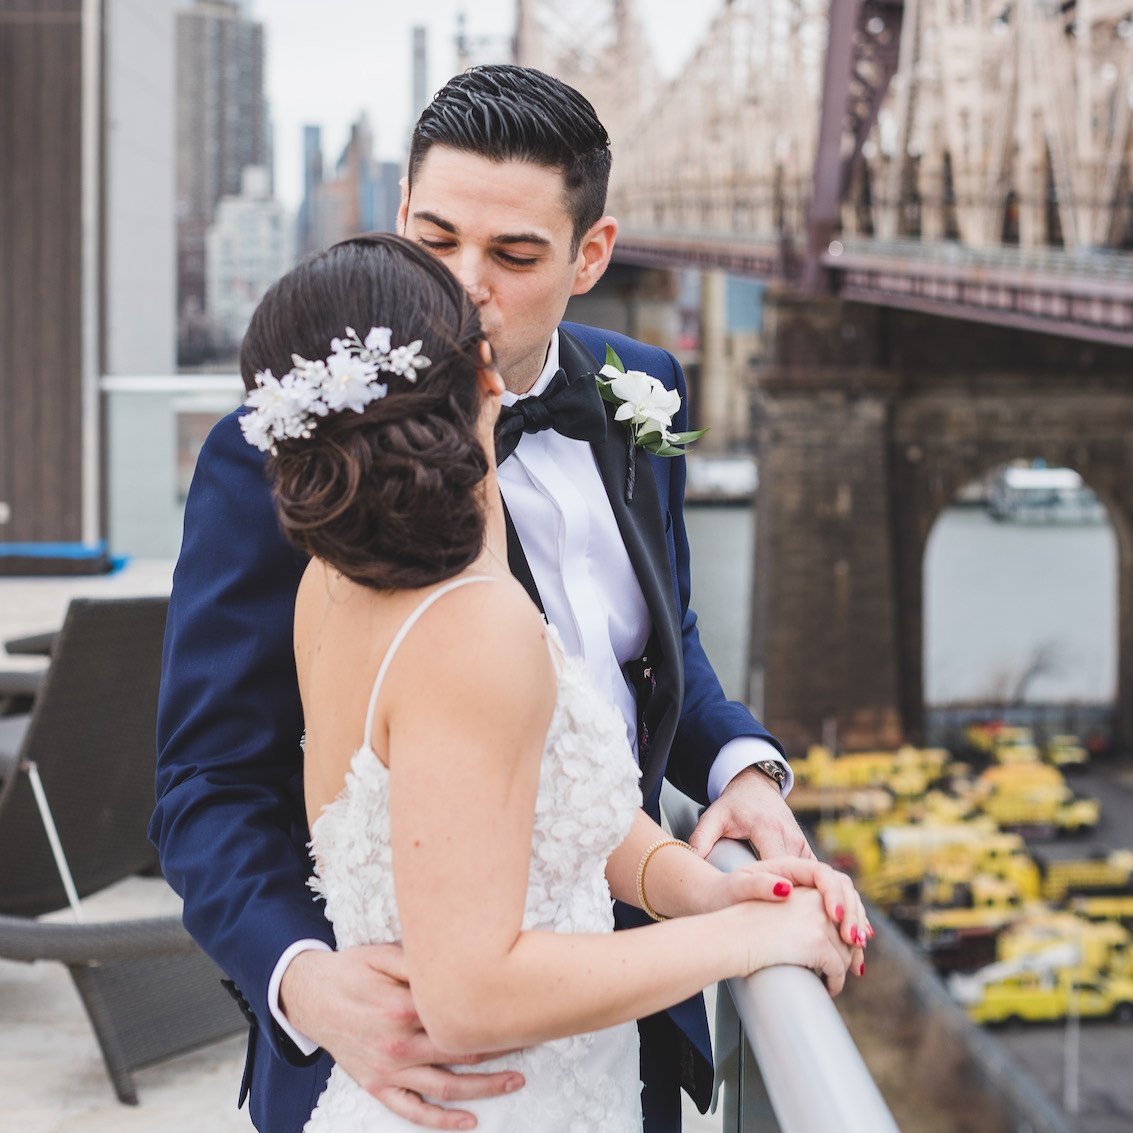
(814, 1075)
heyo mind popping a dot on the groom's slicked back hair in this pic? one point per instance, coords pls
(507, 113)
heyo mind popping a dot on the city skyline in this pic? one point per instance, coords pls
(332, 89)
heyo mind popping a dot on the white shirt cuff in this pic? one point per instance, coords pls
(739, 754)
(305, 1045)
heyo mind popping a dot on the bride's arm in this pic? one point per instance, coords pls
(468, 703)
(677, 882)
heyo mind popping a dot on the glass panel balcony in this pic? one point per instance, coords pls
(154, 429)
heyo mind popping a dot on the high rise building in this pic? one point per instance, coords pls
(307, 222)
(363, 195)
(221, 128)
(420, 93)
(249, 246)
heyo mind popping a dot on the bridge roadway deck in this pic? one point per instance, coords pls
(1045, 290)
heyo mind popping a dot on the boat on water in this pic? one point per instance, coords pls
(1043, 495)
(722, 479)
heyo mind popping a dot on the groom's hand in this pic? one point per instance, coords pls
(356, 1005)
(751, 809)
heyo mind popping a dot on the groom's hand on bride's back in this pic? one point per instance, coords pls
(357, 1006)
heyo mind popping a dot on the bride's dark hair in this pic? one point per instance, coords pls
(386, 496)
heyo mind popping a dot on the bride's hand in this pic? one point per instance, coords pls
(798, 931)
(776, 878)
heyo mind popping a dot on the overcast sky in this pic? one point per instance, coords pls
(328, 60)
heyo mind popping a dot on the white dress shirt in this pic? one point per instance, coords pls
(562, 515)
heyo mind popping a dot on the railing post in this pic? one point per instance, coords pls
(815, 1078)
(746, 1106)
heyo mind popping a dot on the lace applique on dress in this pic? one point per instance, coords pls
(585, 806)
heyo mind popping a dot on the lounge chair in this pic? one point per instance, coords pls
(91, 736)
(147, 988)
(33, 645)
(18, 688)
(88, 750)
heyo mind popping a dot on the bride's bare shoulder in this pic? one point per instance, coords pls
(484, 631)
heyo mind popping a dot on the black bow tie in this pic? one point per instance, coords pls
(572, 407)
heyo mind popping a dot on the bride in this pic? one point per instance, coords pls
(476, 798)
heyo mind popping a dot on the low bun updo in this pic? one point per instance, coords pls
(388, 496)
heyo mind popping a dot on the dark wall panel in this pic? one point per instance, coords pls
(40, 269)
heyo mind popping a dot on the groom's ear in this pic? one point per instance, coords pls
(403, 208)
(594, 253)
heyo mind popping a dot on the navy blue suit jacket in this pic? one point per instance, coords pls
(230, 823)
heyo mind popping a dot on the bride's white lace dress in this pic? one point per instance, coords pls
(586, 801)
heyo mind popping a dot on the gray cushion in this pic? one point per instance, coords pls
(12, 729)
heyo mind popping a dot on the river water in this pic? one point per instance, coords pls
(1000, 598)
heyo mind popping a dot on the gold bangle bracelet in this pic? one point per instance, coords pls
(646, 907)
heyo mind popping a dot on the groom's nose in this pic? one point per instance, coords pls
(469, 269)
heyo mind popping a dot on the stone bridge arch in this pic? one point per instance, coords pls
(869, 421)
(944, 439)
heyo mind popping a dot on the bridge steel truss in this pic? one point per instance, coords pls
(923, 134)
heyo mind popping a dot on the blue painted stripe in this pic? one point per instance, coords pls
(53, 550)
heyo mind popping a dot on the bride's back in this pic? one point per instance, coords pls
(344, 631)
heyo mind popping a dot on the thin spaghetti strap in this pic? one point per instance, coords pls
(400, 636)
(555, 647)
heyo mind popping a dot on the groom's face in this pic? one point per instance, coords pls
(505, 231)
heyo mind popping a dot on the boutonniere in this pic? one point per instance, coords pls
(647, 407)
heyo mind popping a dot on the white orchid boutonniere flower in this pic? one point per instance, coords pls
(647, 407)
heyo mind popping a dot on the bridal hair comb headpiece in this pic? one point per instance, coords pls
(288, 408)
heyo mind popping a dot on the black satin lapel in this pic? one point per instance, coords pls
(642, 526)
(641, 521)
(518, 564)
(643, 532)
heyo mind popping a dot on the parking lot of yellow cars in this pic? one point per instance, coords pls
(940, 846)
(1050, 965)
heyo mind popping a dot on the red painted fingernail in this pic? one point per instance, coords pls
(839, 912)
(869, 931)
(861, 970)
(855, 935)
(782, 889)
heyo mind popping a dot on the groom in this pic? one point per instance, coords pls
(507, 185)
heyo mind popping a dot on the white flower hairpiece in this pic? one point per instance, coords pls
(287, 408)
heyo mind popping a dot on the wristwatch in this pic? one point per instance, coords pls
(774, 771)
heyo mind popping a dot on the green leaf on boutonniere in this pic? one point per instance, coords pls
(607, 393)
(687, 438)
(612, 359)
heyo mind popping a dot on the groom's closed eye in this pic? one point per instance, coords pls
(517, 261)
(439, 247)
